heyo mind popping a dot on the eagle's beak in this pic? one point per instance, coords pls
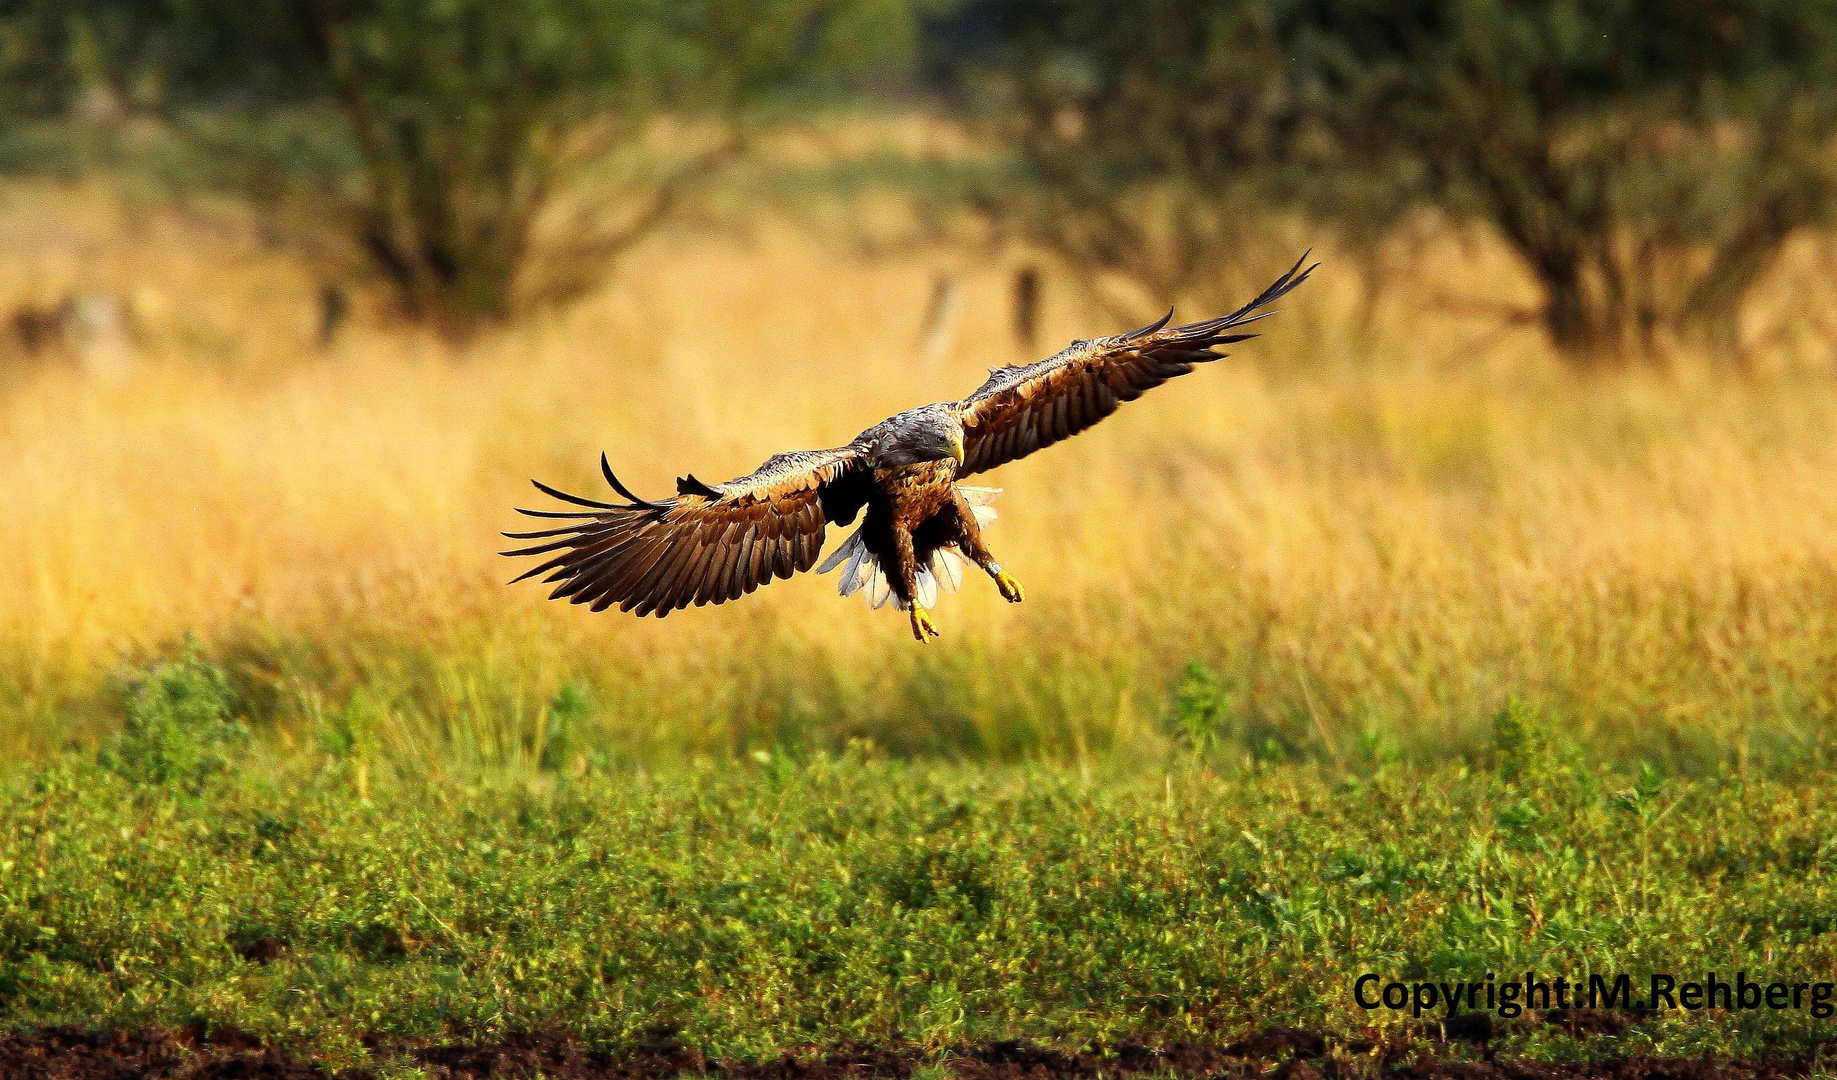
(956, 448)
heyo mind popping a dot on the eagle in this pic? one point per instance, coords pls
(717, 542)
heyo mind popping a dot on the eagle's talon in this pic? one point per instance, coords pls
(1011, 590)
(922, 624)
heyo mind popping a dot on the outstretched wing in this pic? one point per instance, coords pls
(1021, 409)
(709, 544)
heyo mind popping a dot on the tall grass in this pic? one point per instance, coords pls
(1363, 542)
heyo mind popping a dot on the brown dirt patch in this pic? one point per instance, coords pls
(67, 1053)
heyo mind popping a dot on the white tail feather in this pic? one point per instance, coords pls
(927, 589)
(836, 556)
(858, 568)
(947, 566)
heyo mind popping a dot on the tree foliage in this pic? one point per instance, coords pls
(475, 125)
(474, 117)
(1646, 158)
(1150, 133)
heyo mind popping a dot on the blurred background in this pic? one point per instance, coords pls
(296, 295)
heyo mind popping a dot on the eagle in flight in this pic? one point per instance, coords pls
(718, 542)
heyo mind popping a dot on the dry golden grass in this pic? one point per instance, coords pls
(1373, 539)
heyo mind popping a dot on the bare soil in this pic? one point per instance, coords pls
(67, 1053)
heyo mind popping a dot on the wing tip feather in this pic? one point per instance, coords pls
(613, 482)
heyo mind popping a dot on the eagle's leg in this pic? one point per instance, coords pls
(968, 537)
(905, 581)
(922, 626)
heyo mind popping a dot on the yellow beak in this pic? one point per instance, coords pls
(956, 448)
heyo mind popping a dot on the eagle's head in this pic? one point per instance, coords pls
(928, 434)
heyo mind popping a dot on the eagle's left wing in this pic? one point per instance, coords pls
(1022, 409)
(709, 544)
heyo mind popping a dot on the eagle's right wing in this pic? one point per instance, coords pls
(1022, 409)
(709, 544)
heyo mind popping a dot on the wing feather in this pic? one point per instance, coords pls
(695, 576)
(713, 581)
(671, 568)
(739, 579)
(709, 544)
(682, 586)
(1023, 409)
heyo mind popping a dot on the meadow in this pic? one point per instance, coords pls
(782, 905)
(1391, 643)
(1358, 537)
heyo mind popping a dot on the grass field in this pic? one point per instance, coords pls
(1366, 541)
(777, 904)
(1389, 644)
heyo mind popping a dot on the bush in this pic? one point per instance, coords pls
(568, 711)
(180, 730)
(1198, 714)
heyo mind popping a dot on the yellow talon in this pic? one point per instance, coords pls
(1011, 590)
(922, 624)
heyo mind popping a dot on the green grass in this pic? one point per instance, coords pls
(776, 903)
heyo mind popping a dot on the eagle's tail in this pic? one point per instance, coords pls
(861, 567)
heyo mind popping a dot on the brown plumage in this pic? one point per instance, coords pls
(717, 542)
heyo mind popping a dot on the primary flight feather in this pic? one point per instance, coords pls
(718, 542)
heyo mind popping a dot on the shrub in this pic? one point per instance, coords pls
(1198, 712)
(180, 729)
(568, 710)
